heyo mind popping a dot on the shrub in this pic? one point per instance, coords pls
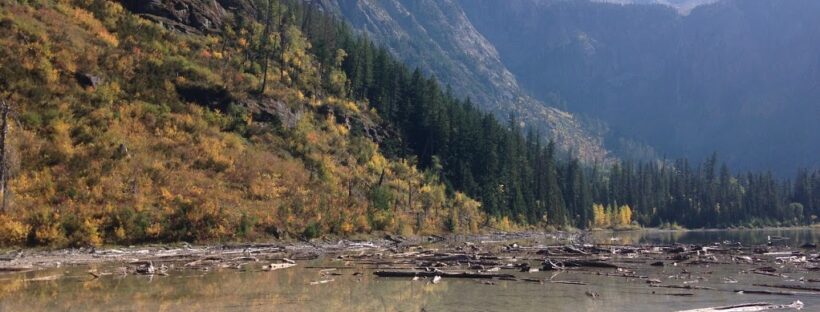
(46, 229)
(381, 197)
(82, 231)
(311, 231)
(382, 220)
(12, 232)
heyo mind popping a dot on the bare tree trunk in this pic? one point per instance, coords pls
(265, 47)
(3, 161)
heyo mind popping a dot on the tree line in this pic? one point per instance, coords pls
(514, 171)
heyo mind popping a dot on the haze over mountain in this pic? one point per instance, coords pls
(683, 6)
(736, 77)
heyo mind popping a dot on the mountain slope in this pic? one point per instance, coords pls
(736, 77)
(131, 132)
(438, 37)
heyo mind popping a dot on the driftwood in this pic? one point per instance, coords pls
(321, 282)
(674, 294)
(682, 287)
(796, 287)
(550, 265)
(750, 307)
(768, 273)
(568, 282)
(765, 292)
(440, 273)
(21, 268)
(277, 266)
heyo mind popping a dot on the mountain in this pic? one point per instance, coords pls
(437, 36)
(736, 77)
(128, 122)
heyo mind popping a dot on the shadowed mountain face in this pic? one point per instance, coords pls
(437, 36)
(736, 77)
(686, 77)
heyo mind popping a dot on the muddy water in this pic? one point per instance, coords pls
(354, 288)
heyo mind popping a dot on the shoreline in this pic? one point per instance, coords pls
(32, 258)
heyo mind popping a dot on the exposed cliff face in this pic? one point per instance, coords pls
(193, 16)
(437, 36)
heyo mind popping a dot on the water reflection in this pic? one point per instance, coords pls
(792, 237)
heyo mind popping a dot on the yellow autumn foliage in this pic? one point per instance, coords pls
(129, 161)
(12, 232)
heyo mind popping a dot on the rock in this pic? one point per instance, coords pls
(188, 16)
(207, 96)
(121, 152)
(147, 268)
(809, 246)
(88, 80)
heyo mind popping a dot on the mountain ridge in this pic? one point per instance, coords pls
(437, 37)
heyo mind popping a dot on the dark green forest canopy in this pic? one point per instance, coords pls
(514, 174)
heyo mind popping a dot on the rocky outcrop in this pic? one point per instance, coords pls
(190, 16)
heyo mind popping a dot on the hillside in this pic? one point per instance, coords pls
(128, 132)
(438, 37)
(736, 77)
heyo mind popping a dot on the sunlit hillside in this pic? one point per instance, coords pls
(123, 131)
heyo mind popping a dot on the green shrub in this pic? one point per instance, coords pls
(311, 231)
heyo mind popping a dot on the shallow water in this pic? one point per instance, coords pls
(794, 237)
(290, 289)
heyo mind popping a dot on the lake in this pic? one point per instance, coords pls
(353, 287)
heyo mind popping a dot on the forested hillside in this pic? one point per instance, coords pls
(123, 131)
(235, 120)
(437, 37)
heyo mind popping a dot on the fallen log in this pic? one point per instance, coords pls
(321, 282)
(674, 294)
(440, 273)
(768, 273)
(568, 282)
(764, 292)
(447, 258)
(574, 250)
(550, 265)
(682, 287)
(277, 266)
(20, 268)
(589, 263)
(795, 287)
(750, 307)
